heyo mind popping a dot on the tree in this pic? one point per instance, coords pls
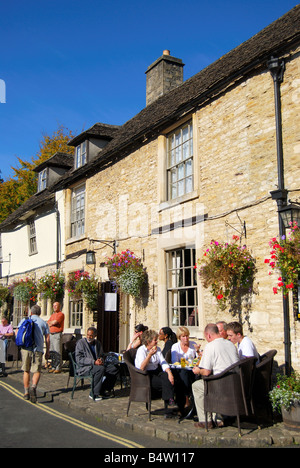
(23, 184)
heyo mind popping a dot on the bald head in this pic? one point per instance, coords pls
(211, 332)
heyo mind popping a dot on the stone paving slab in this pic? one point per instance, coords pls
(113, 411)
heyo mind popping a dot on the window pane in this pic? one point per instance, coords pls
(188, 167)
(78, 212)
(185, 134)
(180, 149)
(182, 287)
(78, 156)
(76, 314)
(189, 185)
(181, 171)
(181, 188)
(186, 150)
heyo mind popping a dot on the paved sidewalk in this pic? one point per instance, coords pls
(114, 410)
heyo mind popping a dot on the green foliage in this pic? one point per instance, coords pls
(82, 285)
(4, 294)
(286, 392)
(228, 270)
(25, 290)
(51, 285)
(285, 257)
(23, 184)
(127, 272)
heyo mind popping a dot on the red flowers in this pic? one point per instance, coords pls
(285, 256)
(228, 269)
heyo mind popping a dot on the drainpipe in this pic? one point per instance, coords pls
(276, 67)
(57, 235)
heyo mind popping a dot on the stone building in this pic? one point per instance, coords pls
(199, 162)
(32, 237)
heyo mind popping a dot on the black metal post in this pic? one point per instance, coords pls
(276, 68)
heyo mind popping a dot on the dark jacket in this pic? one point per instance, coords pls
(84, 356)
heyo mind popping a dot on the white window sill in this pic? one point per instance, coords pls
(71, 240)
(177, 201)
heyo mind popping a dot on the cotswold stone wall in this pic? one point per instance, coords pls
(235, 168)
(238, 169)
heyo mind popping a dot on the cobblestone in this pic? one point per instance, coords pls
(113, 411)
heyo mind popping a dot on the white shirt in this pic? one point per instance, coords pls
(246, 348)
(218, 355)
(156, 360)
(177, 353)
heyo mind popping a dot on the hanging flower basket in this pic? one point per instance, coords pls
(228, 270)
(285, 257)
(82, 285)
(25, 291)
(52, 286)
(127, 272)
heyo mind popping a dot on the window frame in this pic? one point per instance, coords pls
(179, 154)
(76, 315)
(79, 153)
(20, 311)
(77, 224)
(182, 298)
(32, 238)
(42, 180)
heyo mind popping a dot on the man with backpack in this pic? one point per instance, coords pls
(31, 334)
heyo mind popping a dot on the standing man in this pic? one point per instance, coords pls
(32, 357)
(56, 326)
(6, 332)
(218, 354)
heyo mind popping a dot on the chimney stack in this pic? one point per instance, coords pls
(165, 74)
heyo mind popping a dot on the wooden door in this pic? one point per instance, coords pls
(108, 321)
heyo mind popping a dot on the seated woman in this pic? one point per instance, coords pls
(137, 336)
(167, 335)
(188, 350)
(150, 358)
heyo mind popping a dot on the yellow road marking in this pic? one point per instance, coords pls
(75, 422)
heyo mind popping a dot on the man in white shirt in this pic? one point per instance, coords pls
(218, 354)
(246, 347)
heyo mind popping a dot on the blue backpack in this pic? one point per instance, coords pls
(25, 335)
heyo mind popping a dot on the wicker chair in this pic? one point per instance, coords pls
(263, 385)
(68, 345)
(230, 392)
(13, 351)
(168, 357)
(140, 389)
(78, 378)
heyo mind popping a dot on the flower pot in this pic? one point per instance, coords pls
(291, 417)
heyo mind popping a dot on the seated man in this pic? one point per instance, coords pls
(89, 358)
(246, 348)
(218, 354)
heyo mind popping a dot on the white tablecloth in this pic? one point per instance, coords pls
(2, 351)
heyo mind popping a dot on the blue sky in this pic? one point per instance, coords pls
(75, 63)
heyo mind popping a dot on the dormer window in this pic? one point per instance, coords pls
(42, 181)
(81, 155)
